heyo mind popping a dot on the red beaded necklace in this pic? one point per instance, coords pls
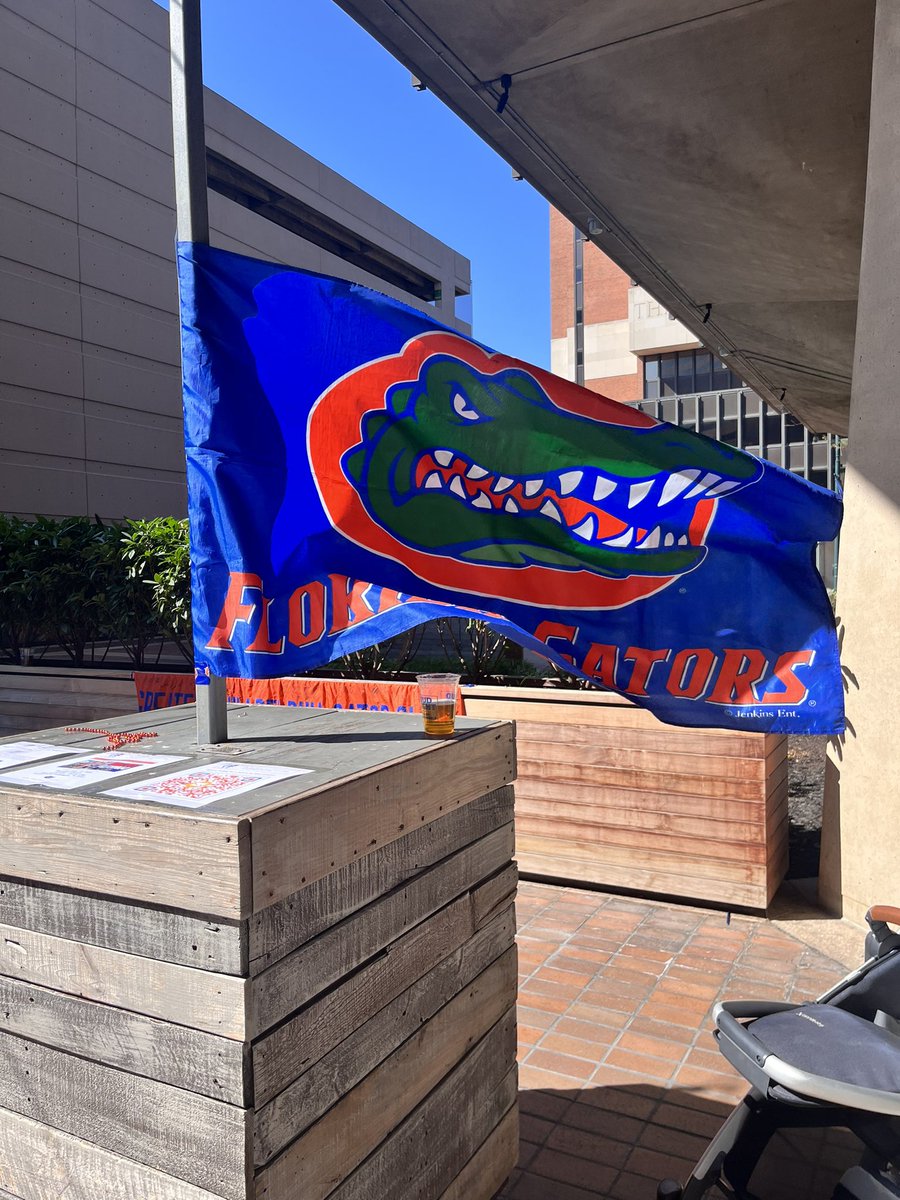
(113, 740)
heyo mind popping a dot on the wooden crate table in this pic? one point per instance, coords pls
(300, 992)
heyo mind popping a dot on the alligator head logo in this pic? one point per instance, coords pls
(484, 476)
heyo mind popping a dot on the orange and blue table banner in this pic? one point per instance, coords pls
(162, 689)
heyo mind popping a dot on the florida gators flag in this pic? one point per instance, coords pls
(356, 468)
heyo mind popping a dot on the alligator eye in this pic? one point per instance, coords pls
(463, 409)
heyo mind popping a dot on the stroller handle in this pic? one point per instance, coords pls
(883, 913)
(881, 938)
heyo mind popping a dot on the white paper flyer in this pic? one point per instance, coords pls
(87, 769)
(198, 786)
(12, 754)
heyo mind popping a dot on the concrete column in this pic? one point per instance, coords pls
(860, 843)
(447, 305)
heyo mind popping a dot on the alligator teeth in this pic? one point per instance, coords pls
(651, 541)
(670, 539)
(456, 486)
(569, 481)
(443, 458)
(476, 472)
(510, 506)
(638, 491)
(707, 481)
(603, 487)
(503, 484)
(623, 540)
(683, 541)
(434, 480)
(533, 486)
(550, 510)
(726, 486)
(587, 529)
(675, 485)
(481, 501)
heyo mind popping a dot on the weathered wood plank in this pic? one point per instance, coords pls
(133, 928)
(493, 895)
(282, 927)
(776, 802)
(696, 868)
(778, 769)
(625, 798)
(363, 1118)
(316, 1090)
(549, 780)
(303, 974)
(198, 999)
(40, 1163)
(778, 838)
(351, 819)
(585, 708)
(776, 741)
(191, 1137)
(281, 1056)
(161, 719)
(52, 707)
(654, 761)
(644, 842)
(127, 850)
(423, 1156)
(661, 739)
(17, 725)
(558, 863)
(598, 775)
(713, 825)
(488, 1170)
(187, 1058)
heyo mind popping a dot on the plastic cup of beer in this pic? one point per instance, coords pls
(437, 694)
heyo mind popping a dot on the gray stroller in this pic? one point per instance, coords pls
(832, 1063)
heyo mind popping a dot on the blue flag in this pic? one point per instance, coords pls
(356, 468)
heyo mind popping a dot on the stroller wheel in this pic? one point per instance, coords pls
(669, 1190)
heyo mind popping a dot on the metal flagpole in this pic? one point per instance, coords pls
(192, 218)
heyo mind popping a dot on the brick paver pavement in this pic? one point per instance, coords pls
(620, 1080)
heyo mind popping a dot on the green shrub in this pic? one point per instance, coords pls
(21, 618)
(60, 571)
(75, 582)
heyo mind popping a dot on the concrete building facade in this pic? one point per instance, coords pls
(90, 397)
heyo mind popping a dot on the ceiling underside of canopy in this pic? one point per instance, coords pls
(715, 149)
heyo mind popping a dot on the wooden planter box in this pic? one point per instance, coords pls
(608, 795)
(306, 990)
(39, 697)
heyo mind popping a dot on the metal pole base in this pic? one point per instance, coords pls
(212, 712)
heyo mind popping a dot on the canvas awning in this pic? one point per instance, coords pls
(715, 149)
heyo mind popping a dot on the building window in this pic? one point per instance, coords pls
(686, 372)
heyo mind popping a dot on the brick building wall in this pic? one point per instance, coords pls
(609, 365)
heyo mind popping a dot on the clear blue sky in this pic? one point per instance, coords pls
(316, 77)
